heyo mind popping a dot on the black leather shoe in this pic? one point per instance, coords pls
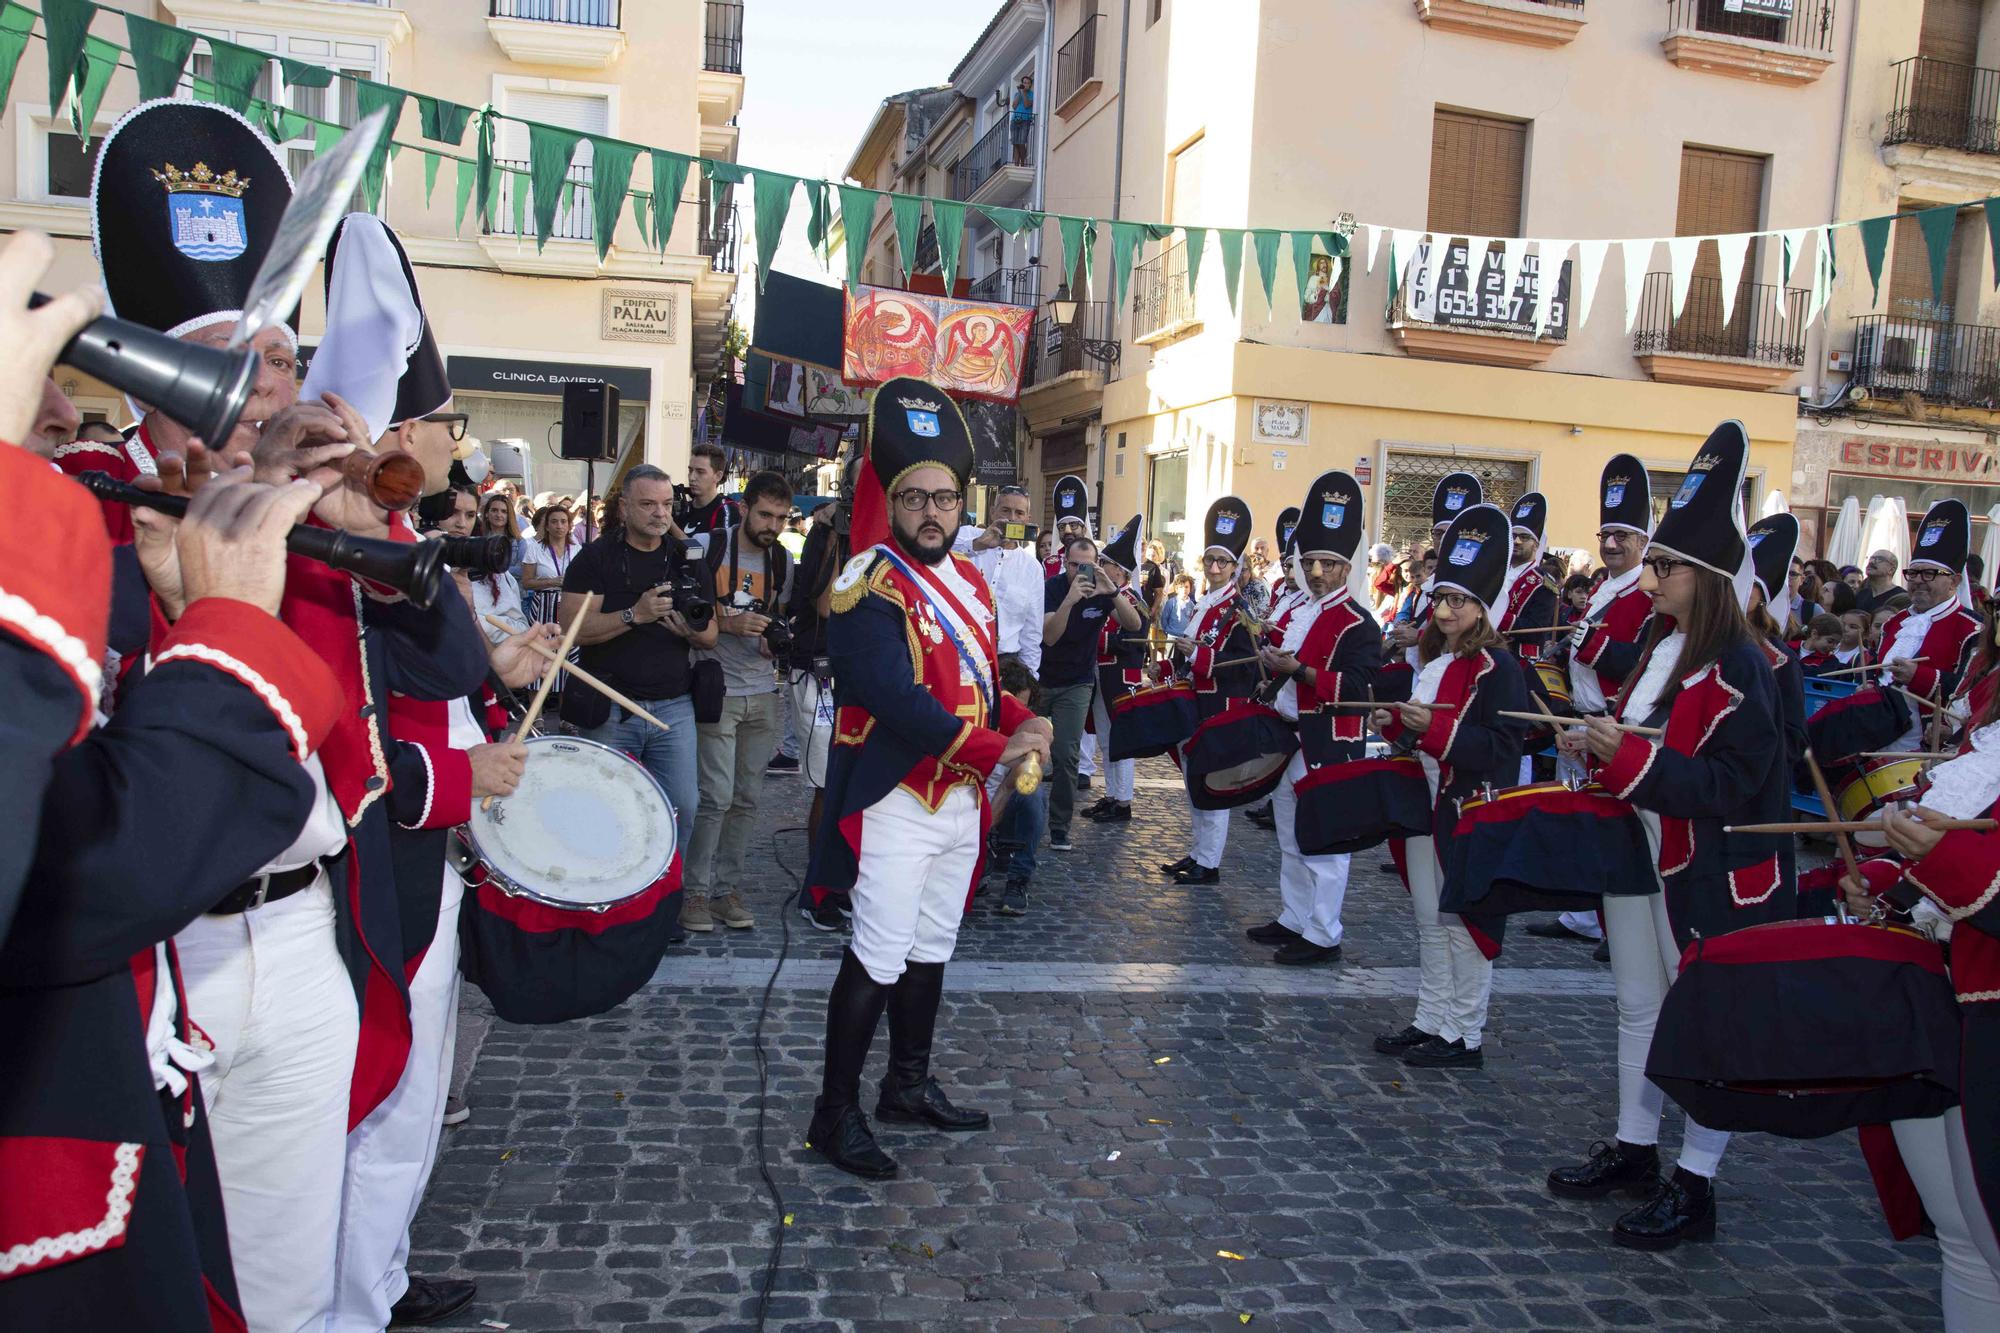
(1437, 1053)
(1272, 933)
(926, 1104)
(1602, 953)
(1395, 1043)
(842, 1136)
(1098, 809)
(426, 1301)
(1554, 930)
(1262, 817)
(1198, 874)
(1116, 812)
(1083, 782)
(1630, 1168)
(1175, 867)
(1304, 953)
(1683, 1208)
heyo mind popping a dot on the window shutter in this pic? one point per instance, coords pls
(1721, 193)
(1950, 31)
(1477, 164)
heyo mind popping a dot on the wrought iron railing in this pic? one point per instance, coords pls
(1951, 106)
(927, 259)
(1076, 59)
(583, 13)
(574, 220)
(994, 150)
(1081, 344)
(1806, 23)
(722, 40)
(719, 236)
(1765, 324)
(1009, 286)
(1950, 363)
(1161, 298)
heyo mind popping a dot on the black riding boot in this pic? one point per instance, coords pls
(909, 1094)
(839, 1132)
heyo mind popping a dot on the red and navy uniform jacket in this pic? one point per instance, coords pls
(1947, 650)
(1814, 663)
(1121, 665)
(1789, 679)
(1344, 650)
(1719, 764)
(1220, 637)
(1531, 604)
(1612, 645)
(904, 716)
(130, 622)
(110, 1214)
(430, 793)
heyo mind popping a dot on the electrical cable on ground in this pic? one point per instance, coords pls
(764, 1080)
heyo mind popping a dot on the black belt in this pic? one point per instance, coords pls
(261, 890)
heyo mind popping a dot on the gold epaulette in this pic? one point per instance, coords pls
(851, 584)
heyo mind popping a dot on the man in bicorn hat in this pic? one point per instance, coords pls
(1927, 646)
(1531, 600)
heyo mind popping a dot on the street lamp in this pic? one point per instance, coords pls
(1063, 310)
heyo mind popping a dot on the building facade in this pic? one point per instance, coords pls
(515, 321)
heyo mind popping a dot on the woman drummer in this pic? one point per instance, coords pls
(1702, 677)
(1465, 679)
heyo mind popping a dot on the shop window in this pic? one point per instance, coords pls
(1166, 503)
(1410, 478)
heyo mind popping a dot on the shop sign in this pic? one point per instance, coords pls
(638, 317)
(486, 374)
(1919, 459)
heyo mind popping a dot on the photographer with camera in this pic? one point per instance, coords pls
(653, 609)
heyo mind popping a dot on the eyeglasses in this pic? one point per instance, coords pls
(455, 420)
(1925, 575)
(1662, 567)
(1322, 566)
(944, 501)
(1456, 601)
(1614, 536)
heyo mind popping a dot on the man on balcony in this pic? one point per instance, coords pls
(1023, 119)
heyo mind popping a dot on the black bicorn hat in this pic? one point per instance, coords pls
(911, 424)
(1704, 519)
(1072, 503)
(1288, 522)
(1474, 554)
(1625, 496)
(378, 352)
(1123, 548)
(1330, 519)
(1774, 540)
(1944, 537)
(1227, 527)
(184, 204)
(1455, 493)
(1531, 514)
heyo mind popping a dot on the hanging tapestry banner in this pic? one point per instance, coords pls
(969, 349)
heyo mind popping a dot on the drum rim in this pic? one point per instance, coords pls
(513, 889)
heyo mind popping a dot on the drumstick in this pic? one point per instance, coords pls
(1632, 727)
(1907, 754)
(549, 678)
(1859, 826)
(1862, 670)
(1826, 802)
(584, 676)
(1547, 629)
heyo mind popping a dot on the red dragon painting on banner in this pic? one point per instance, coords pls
(969, 349)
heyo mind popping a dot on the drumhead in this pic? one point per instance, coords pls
(587, 827)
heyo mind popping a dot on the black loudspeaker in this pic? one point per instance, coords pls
(590, 422)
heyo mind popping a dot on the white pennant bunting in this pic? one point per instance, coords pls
(1512, 248)
(1402, 249)
(1731, 249)
(1434, 255)
(1790, 244)
(1681, 251)
(1583, 280)
(1369, 243)
(1548, 272)
(1333, 275)
(1638, 254)
(1822, 280)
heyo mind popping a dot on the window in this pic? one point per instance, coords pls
(1477, 166)
(1154, 8)
(1721, 193)
(70, 164)
(589, 112)
(1184, 200)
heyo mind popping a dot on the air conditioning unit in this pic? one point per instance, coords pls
(1898, 355)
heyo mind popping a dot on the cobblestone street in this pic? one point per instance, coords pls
(1185, 1136)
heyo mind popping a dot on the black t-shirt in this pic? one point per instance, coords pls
(647, 661)
(1071, 659)
(714, 516)
(818, 563)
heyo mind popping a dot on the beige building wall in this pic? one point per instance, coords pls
(536, 315)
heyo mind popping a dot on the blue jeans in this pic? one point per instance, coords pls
(1019, 830)
(669, 756)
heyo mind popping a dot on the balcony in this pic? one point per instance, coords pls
(1077, 76)
(1162, 304)
(1066, 365)
(574, 220)
(1784, 42)
(1009, 286)
(721, 237)
(719, 86)
(1943, 137)
(1760, 346)
(1958, 364)
(988, 174)
(576, 34)
(1526, 22)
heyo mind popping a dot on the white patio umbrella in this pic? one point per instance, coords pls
(1774, 503)
(1989, 550)
(1844, 547)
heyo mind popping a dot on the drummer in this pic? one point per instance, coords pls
(1531, 603)
(1925, 647)
(1288, 594)
(1216, 635)
(1330, 651)
(1121, 666)
(1454, 493)
(1702, 677)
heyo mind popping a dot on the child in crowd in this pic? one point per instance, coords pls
(1823, 633)
(1576, 598)
(1854, 629)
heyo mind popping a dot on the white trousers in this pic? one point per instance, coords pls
(1119, 774)
(1583, 923)
(1454, 980)
(1934, 1152)
(390, 1154)
(269, 989)
(1086, 751)
(1211, 832)
(1644, 962)
(915, 873)
(1313, 888)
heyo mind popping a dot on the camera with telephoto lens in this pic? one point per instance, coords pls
(479, 555)
(694, 603)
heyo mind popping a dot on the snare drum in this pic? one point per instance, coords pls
(572, 882)
(1363, 803)
(1545, 847)
(1554, 681)
(1152, 721)
(1879, 783)
(1238, 756)
(1808, 1028)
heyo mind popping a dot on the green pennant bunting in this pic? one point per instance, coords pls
(857, 219)
(285, 126)
(1874, 244)
(1013, 221)
(64, 25)
(639, 201)
(236, 70)
(1125, 238)
(1992, 207)
(948, 216)
(483, 178)
(521, 186)
(1231, 240)
(907, 212)
(160, 54)
(304, 74)
(468, 171)
(819, 221)
(1265, 242)
(551, 149)
(670, 173)
(15, 24)
(325, 136)
(100, 62)
(370, 97)
(610, 177)
(1936, 225)
(1071, 231)
(443, 121)
(1192, 238)
(431, 164)
(200, 89)
(722, 175)
(771, 192)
